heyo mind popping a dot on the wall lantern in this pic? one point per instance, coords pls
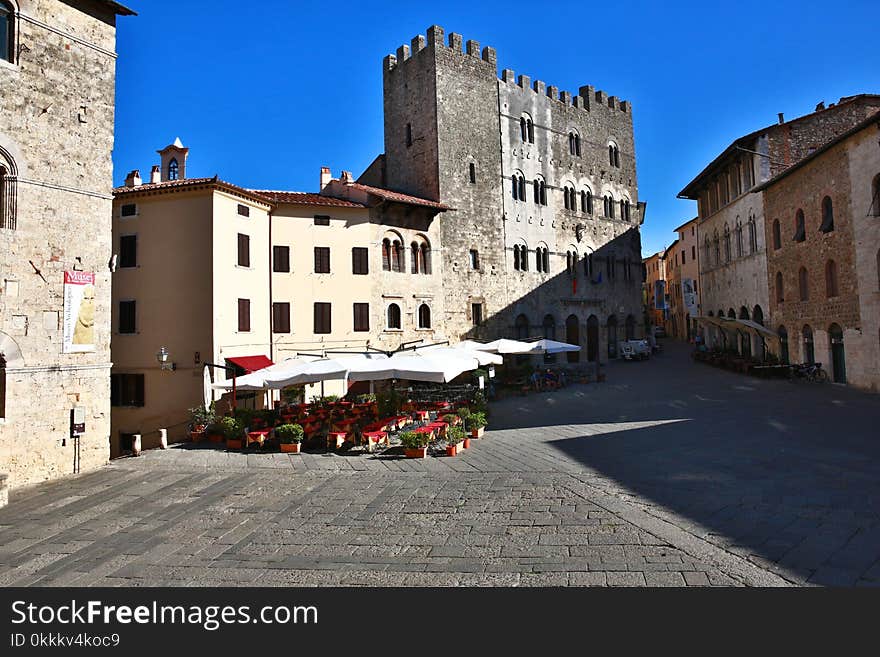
(162, 358)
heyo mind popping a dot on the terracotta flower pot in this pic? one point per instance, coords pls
(452, 450)
(416, 452)
(216, 437)
(478, 433)
(290, 448)
(233, 443)
(466, 443)
(197, 436)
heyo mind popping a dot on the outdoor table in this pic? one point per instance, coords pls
(440, 427)
(375, 437)
(421, 415)
(426, 429)
(344, 424)
(335, 439)
(257, 437)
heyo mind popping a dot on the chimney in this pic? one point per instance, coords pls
(133, 179)
(781, 118)
(347, 178)
(820, 106)
(326, 177)
(156, 174)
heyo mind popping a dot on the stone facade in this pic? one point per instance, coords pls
(828, 312)
(56, 138)
(731, 230)
(444, 110)
(683, 261)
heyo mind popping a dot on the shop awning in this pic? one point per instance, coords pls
(250, 363)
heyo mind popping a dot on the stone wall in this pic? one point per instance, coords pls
(56, 123)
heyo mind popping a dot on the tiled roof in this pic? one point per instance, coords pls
(118, 8)
(306, 198)
(397, 197)
(191, 182)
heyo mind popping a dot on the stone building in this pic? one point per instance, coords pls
(731, 229)
(241, 278)
(655, 289)
(673, 290)
(823, 236)
(57, 86)
(543, 236)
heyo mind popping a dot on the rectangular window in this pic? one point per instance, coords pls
(126, 389)
(244, 210)
(361, 317)
(322, 317)
(129, 210)
(322, 220)
(693, 253)
(472, 173)
(360, 262)
(281, 317)
(128, 251)
(244, 315)
(477, 313)
(683, 256)
(244, 250)
(322, 259)
(127, 316)
(281, 259)
(475, 259)
(409, 137)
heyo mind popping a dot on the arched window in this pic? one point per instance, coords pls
(809, 352)
(397, 256)
(831, 279)
(622, 209)
(521, 327)
(520, 257)
(540, 191)
(522, 129)
(612, 336)
(424, 316)
(758, 315)
(738, 235)
(730, 314)
(800, 230)
(753, 236)
(777, 235)
(386, 254)
(549, 327)
(613, 155)
(518, 187)
(425, 253)
(393, 316)
(779, 291)
(516, 257)
(8, 193)
(530, 128)
(875, 196)
(527, 129)
(7, 32)
(173, 169)
(827, 215)
(716, 248)
(415, 257)
(609, 206)
(626, 210)
(588, 265)
(726, 244)
(803, 284)
(566, 197)
(574, 143)
(743, 312)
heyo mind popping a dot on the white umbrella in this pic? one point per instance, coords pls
(257, 380)
(505, 346)
(554, 347)
(472, 345)
(208, 391)
(413, 367)
(483, 357)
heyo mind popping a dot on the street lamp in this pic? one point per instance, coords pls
(162, 358)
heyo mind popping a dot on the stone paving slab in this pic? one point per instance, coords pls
(673, 474)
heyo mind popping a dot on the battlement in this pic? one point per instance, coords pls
(434, 40)
(587, 96)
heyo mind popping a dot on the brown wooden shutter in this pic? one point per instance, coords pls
(244, 315)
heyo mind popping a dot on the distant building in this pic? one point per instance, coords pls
(672, 268)
(731, 229)
(57, 75)
(687, 271)
(655, 289)
(823, 253)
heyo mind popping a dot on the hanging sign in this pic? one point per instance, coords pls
(79, 312)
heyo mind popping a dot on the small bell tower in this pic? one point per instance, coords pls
(174, 161)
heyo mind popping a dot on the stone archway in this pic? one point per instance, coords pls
(572, 336)
(612, 337)
(592, 339)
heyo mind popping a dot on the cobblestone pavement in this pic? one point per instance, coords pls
(669, 474)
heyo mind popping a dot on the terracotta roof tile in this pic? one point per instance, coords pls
(306, 198)
(192, 182)
(397, 197)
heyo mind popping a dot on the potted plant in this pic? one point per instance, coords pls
(201, 417)
(233, 431)
(415, 445)
(214, 431)
(290, 436)
(476, 424)
(452, 420)
(454, 437)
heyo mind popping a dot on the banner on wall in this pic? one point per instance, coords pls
(79, 312)
(660, 295)
(689, 296)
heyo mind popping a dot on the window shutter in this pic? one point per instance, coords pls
(244, 250)
(139, 390)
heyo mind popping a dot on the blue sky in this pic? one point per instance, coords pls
(265, 93)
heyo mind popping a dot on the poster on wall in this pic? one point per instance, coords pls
(660, 295)
(79, 312)
(689, 296)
